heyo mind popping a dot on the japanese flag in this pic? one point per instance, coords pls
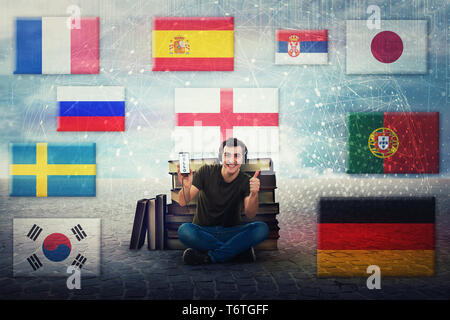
(398, 47)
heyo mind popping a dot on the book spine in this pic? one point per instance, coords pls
(264, 196)
(193, 164)
(151, 242)
(263, 164)
(173, 234)
(268, 244)
(139, 230)
(264, 209)
(161, 220)
(158, 205)
(174, 225)
(267, 181)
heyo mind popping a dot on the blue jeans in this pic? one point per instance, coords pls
(223, 243)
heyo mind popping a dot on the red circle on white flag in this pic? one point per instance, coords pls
(387, 46)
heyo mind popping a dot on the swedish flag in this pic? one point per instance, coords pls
(45, 170)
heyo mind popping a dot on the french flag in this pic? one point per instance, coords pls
(301, 47)
(57, 45)
(90, 108)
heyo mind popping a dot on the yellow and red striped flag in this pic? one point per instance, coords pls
(193, 44)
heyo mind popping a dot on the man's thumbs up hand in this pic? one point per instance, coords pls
(254, 183)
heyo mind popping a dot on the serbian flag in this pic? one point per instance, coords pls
(193, 44)
(399, 47)
(207, 116)
(301, 47)
(46, 247)
(57, 45)
(396, 234)
(58, 170)
(88, 108)
(393, 142)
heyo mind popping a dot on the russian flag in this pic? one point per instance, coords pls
(57, 45)
(301, 47)
(91, 108)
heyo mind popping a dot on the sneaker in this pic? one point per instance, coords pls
(194, 257)
(246, 256)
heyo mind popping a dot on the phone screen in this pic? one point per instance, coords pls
(184, 162)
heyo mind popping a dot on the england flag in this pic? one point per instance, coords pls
(46, 247)
(398, 47)
(207, 116)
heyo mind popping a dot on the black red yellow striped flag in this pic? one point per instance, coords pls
(396, 234)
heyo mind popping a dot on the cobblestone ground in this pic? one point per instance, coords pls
(289, 273)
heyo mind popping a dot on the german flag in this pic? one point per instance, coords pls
(396, 234)
(193, 44)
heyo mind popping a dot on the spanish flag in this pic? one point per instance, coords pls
(396, 234)
(193, 44)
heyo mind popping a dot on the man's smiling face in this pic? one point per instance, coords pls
(232, 159)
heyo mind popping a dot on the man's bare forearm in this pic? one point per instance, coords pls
(252, 206)
(184, 197)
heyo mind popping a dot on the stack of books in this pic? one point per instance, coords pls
(149, 221)
(268, 208)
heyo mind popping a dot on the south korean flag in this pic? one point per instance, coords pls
(46, 247)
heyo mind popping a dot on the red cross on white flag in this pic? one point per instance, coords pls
(206, 116)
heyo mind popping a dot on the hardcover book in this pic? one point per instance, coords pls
(267, 180)
(263, 208)
(264, 196)
(268, 244)
(151, 223)
(139, 225)
(263, 164)
(161, 209)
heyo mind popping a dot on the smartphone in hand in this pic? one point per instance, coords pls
(184, 163)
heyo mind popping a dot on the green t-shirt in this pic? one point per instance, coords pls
(219, 203)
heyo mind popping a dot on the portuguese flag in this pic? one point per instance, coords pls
(393, 142)
(396, 234)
